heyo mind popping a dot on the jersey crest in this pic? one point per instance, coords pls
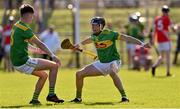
(103, 44)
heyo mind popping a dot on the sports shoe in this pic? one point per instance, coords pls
(153, 71)
(76, 100)
(35, 102)
(54, 98)
(124, 99)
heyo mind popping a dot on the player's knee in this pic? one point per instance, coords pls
(55, 66)
(113, 74)
(79, 74)
(44, 75)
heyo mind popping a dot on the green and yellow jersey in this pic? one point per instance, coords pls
(20, 35)
(105, 44)
(135, 30)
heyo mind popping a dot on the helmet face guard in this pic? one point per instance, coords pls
(133, 18)
(98, 21)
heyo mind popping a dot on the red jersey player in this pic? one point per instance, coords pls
(161, 30)
(6, 44)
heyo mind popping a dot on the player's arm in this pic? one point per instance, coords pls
(153, 34)
(35, 50)
(172, 26)
(84, 42)
(44, 48)
(133, 40)
(176, 27)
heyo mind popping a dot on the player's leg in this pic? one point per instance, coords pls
(175, 57)
(10, 67)
(168, 63)
(177, 50)
(148, 62)
(136, 63)
(157, 62)
(129, 59)
(5, 62)
(39, 85)
(53, 70)
(118, 83)
(89, 70)
(129, 52)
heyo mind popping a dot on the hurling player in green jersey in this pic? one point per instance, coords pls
(109, 59)
(21, 37)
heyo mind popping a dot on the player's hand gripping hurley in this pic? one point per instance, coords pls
(66, 44)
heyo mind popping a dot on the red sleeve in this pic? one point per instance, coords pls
(167, 21)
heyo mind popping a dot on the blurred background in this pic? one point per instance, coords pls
(65, 15)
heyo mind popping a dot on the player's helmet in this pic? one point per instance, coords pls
(11, 18)
(133, 18)
(138, 14)
(98, 20)
(165, 9)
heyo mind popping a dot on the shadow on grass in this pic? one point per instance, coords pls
(20, 106)
(28, 106)
(100, 103)
(162, 77)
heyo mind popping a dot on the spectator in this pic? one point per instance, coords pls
(142, 57)
(1, 49)
(133, 29)
(51, 39)
(140, 25)
(178, 44)
(6, 44)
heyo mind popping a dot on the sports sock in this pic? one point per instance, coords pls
(123, 94)
(78, 94)
(51, 91)
(35, 96)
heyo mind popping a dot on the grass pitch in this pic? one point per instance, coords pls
(143, 90)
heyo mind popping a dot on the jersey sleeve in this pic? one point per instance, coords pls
(28, 34)
(116, 35)
(92, 38)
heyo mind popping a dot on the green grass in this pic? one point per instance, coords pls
(143, 91)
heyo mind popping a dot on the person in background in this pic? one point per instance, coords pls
(6, 36)
(177, 27)
(140, 25)
(133, 29)
(142, 57)
(1, 49)
(51, 39)
(161, 31)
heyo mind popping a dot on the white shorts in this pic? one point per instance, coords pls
(7, 49)
(107, 68)
(131, 47)
(28, 67)
(164, 46)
